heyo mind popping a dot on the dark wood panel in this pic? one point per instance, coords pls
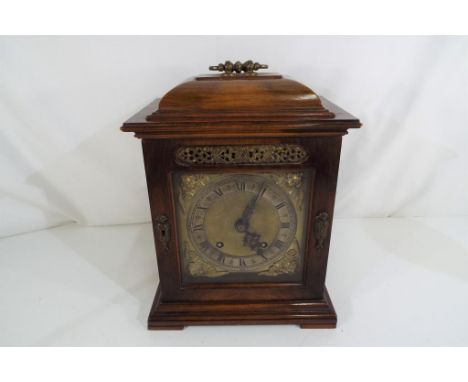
(309, 314)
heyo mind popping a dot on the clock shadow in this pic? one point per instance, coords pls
(94, 185)
(130, 268)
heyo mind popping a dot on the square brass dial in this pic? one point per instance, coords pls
(242, 226)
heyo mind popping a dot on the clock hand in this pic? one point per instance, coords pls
(242, 224)
(252, 239)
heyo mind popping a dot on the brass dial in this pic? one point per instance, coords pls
(241, 223)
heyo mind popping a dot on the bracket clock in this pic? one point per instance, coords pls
(241, 169)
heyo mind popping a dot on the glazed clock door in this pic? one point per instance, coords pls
(242, 226)
(242, 231)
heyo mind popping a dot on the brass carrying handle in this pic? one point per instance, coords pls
(238, 67)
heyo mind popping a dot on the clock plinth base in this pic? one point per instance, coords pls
(309, 314)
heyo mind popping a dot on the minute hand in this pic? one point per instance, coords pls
(242, 224)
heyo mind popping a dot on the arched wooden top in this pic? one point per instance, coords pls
(215, 96)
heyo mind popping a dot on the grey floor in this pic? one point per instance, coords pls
(392, 281)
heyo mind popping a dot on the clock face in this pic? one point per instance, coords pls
(242, 223)
(242, 227)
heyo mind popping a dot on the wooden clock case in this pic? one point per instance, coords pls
(241, 110)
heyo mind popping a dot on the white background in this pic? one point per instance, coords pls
(63, 99)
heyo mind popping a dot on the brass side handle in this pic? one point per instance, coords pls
(238, 67)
